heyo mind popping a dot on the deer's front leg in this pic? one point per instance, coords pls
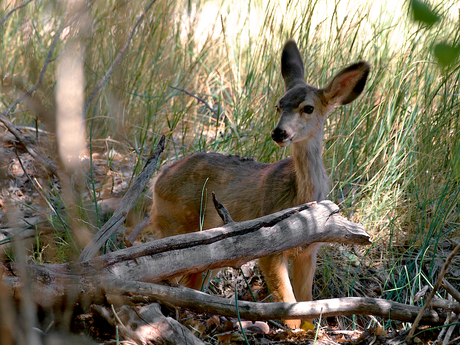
(276, 273)
(303, 272)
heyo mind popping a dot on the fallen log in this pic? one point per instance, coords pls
(122, 272)
(231, 245)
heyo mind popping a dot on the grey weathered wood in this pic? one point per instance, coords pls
(127, 202)
(201, 302)
(147, 325)
(450, 289)
(137, 230)
(233, 244)
(229, 245)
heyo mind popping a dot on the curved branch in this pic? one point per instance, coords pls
(195, 300)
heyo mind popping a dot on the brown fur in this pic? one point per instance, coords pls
(249, 189)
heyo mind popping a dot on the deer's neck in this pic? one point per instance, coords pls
(311, 179)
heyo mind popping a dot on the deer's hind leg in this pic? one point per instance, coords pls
(168, 219)
(197, 281)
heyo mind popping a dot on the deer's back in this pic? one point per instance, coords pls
(247, 188)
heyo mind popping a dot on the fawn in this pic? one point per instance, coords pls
(250, 189)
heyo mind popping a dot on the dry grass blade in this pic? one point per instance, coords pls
(49, 56)
(107, 74)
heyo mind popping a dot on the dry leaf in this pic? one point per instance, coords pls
(213, 321)
(224, 338)
(195, 326)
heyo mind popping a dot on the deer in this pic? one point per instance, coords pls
(251, 189)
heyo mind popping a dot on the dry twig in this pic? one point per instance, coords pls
(202, 100)
(222, 211)
(13, 10)
(450, 289)
(137, 230)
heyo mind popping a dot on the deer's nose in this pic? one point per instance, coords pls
(279, 135)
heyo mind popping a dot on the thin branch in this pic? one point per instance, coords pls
(107, 75)
(48, 59)
(202, 100)
(22, 139)
(195, 300)
(13, 10)
(13, 130)
(435, 288)
(450, 289)
(137, 230)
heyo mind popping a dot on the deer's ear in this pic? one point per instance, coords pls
(292, 65)
(347, 85)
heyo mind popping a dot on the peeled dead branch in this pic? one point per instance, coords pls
(201, 302)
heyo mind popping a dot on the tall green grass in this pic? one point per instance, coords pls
(392, 155)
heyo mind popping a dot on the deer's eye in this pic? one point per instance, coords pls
(308, 109)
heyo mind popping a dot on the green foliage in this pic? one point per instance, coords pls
(446, 54)
(421, 12)
(456, 162)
